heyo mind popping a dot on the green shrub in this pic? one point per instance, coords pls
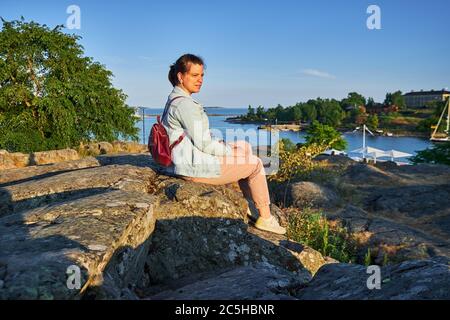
(312, 229)
(439, 154)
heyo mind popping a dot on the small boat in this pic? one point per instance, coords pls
(442, 136)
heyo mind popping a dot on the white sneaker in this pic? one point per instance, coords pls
(271, 224)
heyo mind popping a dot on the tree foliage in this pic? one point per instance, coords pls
(53, 97)
(298, 161)
(321, 134)
(439, 154)
(395, 99)
(354, 99)
(373, 122)
(425, 125)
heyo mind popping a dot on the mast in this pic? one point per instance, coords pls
(448, 114)
(440, 119)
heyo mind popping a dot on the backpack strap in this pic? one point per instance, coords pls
(167, 108)
(164, 113)
(177, 141)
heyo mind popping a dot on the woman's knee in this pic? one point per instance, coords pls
(246, 146)
(257, 164)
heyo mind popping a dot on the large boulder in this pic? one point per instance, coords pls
(305, 194)
(19, 175)
(397, 212)
(131, 231)
(71, 184)
(201, 228)
(410, 280)
(20, 160)
(53, 156)
(423, 206)
(13, 160)
(366, 174)
(261, 281)
(104, 235)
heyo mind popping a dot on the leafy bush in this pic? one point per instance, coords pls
(298, 161)
(439, 154)
(312, 229)
(288, 145)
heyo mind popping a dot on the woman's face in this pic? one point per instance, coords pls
(192, 80)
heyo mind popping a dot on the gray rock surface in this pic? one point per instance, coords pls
(204, 227)
(410, 280)
(401, 212)
(262, 281)
(130, 230)
(135, 233)
(306, 194)
(103, 234)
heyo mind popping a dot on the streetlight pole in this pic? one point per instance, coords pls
(364, 142)
(143, 126)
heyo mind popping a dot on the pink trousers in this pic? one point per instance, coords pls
(247, 169)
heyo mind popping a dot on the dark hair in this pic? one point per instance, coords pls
(182, 65)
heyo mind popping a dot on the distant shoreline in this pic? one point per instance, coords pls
(395, 134)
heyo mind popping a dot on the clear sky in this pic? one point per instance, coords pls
(260, 52)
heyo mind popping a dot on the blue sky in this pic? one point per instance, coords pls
(260, 52)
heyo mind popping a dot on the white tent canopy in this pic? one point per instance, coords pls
(368, 150)
(396, 154)
(371, 152)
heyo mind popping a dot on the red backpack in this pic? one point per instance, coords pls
(159, 143)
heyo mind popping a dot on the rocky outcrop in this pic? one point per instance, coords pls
(131, 231)
(135, 233)
(398, 212)
(96, 218)
(306, 194)
(262, 281)
(20, 160)
(205, 227)
(410, 280)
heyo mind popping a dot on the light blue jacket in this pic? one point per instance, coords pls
(196, 155)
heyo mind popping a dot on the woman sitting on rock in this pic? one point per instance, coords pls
(201, 158)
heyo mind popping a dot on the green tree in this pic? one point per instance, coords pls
(251, 113)
(354, 99)
(53, 97)
(438, 154)
(260, 114)
(356, 116)
(309, 112)
(425, 125)
(329, 112)
(322, 134)
(373, 122)
(294, 113)
(438, 107)
(396, 99)
(370, 102)
(289, 146)
(271, 114)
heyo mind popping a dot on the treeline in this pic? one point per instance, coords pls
(354, 109)
(54, 97)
